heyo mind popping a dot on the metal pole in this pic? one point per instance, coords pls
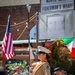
(37, 31)
(28, 7)
(28, 30)
(29, 36)
(29, 39)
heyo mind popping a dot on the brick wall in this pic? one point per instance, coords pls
(19, 16)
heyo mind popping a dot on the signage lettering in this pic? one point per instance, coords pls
(46, 5)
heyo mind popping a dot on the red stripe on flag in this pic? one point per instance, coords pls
(73, 53)
(7, 45)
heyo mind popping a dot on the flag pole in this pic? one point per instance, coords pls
(37, 31)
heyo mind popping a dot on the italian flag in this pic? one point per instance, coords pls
(70, 43)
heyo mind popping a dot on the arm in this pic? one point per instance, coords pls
(46, 69)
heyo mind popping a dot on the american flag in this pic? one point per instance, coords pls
(7, 45)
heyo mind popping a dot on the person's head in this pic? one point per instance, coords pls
(2, 71)
(18, 69)
(42, 53)
(59, 71)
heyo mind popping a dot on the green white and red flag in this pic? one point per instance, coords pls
(70, 43)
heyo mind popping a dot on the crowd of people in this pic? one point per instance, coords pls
(42, 67)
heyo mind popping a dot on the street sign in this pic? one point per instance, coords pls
(55, 5)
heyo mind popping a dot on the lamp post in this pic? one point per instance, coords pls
(28, 8)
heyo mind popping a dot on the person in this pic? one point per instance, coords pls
(18, 70)
(10, 72)
(59, 71)
(2, 71)
(42, 67)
